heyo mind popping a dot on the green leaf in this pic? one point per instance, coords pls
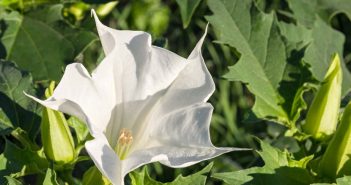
(17, 110)
(81, 40)
(52, 16)
(12, 181)
(279, 167)
(277, 60)
(36, 47)
(324, 41)
(19, 162)
(261, 50)
(143, 178)
(272, 157)
(344, 180)
(80, 129)
(48, 14)
(187, 9)
(94, 176)
(50, 177)
(305, 11)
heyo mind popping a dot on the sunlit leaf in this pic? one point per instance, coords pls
(279, 167)
(261, 50)
(50, 177)
(12, 181)
(36, 47)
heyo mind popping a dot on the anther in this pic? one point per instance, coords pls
(124, 142)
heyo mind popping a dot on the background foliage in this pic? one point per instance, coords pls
(266, 57)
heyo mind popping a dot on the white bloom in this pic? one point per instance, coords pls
(142, 104)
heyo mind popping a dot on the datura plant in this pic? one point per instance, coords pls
(322, 117)
(55, 134)
(336, 160)
(142, 104)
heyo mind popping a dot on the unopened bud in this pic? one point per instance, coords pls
(335, 161)
(55, 134)
(322, 116)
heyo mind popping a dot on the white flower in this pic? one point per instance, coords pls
(142, 104)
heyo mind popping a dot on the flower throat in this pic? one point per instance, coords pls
(124, 142)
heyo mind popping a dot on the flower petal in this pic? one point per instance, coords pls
(138, 68)
(105, 159)
(76, 95)
(179, 139)
(186, 129)
(194, 83)
(173, 156)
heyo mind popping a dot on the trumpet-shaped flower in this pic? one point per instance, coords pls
(142, 104)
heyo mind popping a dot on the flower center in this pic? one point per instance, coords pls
(124, 142)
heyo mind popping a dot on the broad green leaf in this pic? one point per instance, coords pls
(19, 162)
(305, 11)
(343, 180)
(324, 41)
(52, 16)
(143, 178)
(241, 176)
(12, 181)
(16, 110)
(279, 167)
(50, 177)
(48, 14)
(261, 50)
(328, 9)
(36, 47)
(272, 157)
(187, 9)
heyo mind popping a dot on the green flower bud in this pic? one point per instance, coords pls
(105, 9)
(55, 134)
(322, 116)
(336, 160)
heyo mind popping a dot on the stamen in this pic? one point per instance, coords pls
(124, 142)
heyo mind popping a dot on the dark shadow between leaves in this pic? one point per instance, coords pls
(20, 117)
(3, 27)
(298, 74)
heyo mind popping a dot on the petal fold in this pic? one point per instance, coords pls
(77, 95)
(105, 159)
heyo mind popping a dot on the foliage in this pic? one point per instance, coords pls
(268, 60)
